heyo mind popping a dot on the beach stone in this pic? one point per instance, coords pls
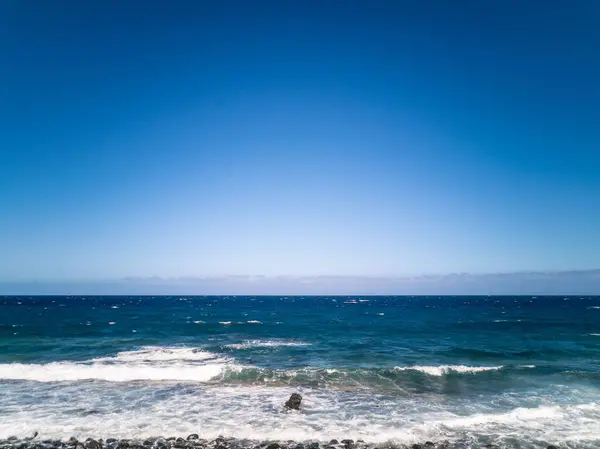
(314, 445)
(429, 444)
(552, 447)
(416, 446)
(92, 444)
(273, 446)
(193, 437)
(294, 401)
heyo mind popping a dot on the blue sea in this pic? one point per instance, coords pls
(519, 372)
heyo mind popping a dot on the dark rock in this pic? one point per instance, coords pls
(416, 446)
(111, 440)
(273, 446)
(334, 442)
(123, 444)
(293, 403)
(35, 434)
(79, 446)
(12, 439)
(72, 441)
(299, 446)
(92, 444)
(429, 444)
(192, 437)
(551, 446)
(314, 445)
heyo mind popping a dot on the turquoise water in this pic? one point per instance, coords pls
(516, 371)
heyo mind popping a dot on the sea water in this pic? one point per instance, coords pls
(513, 371)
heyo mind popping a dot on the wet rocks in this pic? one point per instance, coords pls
(92, 444)
(273, 446)
(293, 403)
(193, 437)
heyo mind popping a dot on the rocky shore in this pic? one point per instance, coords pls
(195, 442)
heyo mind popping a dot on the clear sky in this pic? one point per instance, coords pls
(373, 138)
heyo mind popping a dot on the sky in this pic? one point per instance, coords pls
(323, 139)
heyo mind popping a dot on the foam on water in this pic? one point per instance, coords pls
(445, 369)
(158, 353)
(256, 413)
(266, 344)
(148, 363)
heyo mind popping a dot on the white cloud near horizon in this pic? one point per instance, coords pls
(580, 282)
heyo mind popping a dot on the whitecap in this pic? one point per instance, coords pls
(147, 363)
(266, 344)
(446, 369)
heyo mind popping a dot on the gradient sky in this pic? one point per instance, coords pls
(373, 138)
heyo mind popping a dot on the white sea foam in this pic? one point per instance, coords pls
(158, 353)
(225, 323)
(445, 369)
(65, 371)
(148, 363)
(265, 344)
(253, 412)
(254, 322)
(594, 307)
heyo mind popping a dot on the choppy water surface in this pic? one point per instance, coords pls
(516, 371)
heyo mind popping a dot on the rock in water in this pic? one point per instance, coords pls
(294, 401)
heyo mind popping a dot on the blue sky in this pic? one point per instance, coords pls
(301, 138)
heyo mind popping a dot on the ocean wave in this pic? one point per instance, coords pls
(251, 412)
(186, 364)
(148, 363)
(266, 344)
(447, 369)
(66, 371)
(159, 353)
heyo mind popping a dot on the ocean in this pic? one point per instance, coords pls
(517, 372)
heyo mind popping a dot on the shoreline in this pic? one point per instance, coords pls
(193, 441)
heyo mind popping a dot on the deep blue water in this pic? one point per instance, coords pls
(518, 371)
